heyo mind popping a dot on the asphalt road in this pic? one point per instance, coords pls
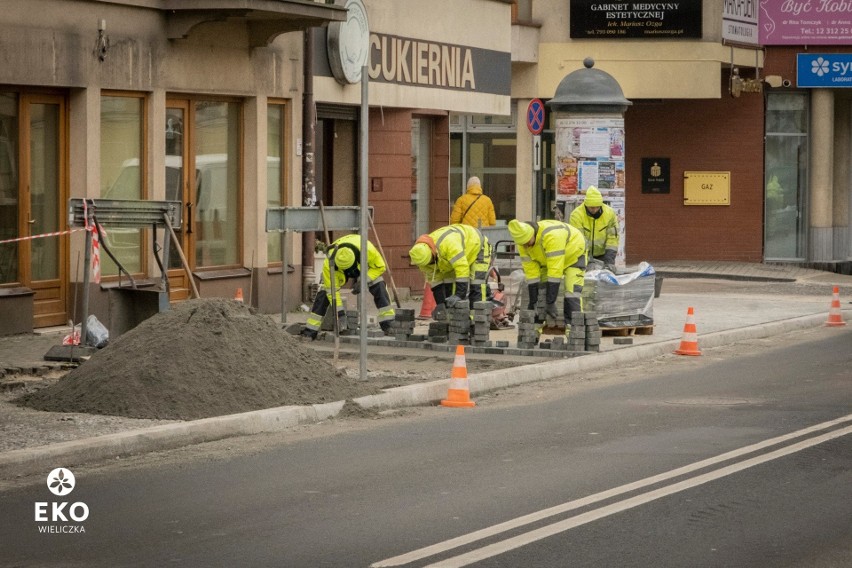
(615, 468)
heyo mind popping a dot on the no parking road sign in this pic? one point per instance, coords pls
(535, 116)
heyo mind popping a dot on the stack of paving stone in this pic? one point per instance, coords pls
(353, 323)
(481, 323)
(459, 328)
(402, 326)
(438, 331)
(527, 329)
(593, 332)
(577, 338)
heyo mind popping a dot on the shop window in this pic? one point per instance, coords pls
(275, 172)
(217, 183)
(123, 174)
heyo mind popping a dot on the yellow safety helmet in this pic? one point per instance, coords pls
(420, 254)
(593, 197)
(521, 232)
(344, 258)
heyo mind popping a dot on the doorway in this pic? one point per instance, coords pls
(203, 172)
(33, 191)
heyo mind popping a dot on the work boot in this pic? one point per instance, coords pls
(307, 334)
(386, 327)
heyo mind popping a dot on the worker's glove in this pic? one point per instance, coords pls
(452, 301)
(552, 293)
(533, 293)
(550, 311)
(356, 287)
(439, 313)
(341, 322)
(461, 291)
(609, 257)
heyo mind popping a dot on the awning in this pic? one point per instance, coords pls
(265, 19)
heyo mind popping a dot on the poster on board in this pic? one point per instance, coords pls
(590, 152)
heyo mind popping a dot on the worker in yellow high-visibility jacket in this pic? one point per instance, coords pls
(552, 252)
(346, 254)
(599, 225)
(455, 260)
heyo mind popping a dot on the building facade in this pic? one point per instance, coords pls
(674, 65)
(154, 100)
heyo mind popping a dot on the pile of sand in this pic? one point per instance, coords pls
(202, 358)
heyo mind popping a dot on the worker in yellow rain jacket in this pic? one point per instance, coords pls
(346, 253)
(455, 260)
(552, 252)
(599, 225)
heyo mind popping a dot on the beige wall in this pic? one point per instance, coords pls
(687, 69)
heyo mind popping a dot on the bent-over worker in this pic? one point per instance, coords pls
(552, 252)
(346, 253)
(455, 260)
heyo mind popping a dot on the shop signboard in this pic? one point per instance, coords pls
(593, 19)
(824, 70)
(805, 22)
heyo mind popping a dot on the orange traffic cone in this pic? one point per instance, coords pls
(458, 395)
(689, 341)
(428, 303)
(239, 295)
(835, 317)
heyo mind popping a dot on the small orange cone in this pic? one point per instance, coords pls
(458, 395)
(689, 341)
(428, 303)
(239, 295)
(835, 317)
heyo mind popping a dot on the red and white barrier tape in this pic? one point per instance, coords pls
(54, 234)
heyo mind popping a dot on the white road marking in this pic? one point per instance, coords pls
(550, 530)
(441, 547)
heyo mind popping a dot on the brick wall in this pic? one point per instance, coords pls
(701, 135)
(390, 169)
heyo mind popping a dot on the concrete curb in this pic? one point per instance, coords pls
(28, 461)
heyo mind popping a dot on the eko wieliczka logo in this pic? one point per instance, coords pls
(61, 516)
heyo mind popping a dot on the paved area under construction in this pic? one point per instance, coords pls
(730, 303)
(723, 295)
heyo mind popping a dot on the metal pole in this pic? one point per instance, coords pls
(284, 254)
(309, 194)
(87, 268)
(332, 282)
(365, 139)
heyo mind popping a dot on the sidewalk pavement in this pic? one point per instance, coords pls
(723, 315)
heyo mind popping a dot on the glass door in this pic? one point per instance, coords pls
(177, 185)
(786, 158)
(32, 197)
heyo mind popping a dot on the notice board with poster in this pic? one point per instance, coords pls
(590, 152)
